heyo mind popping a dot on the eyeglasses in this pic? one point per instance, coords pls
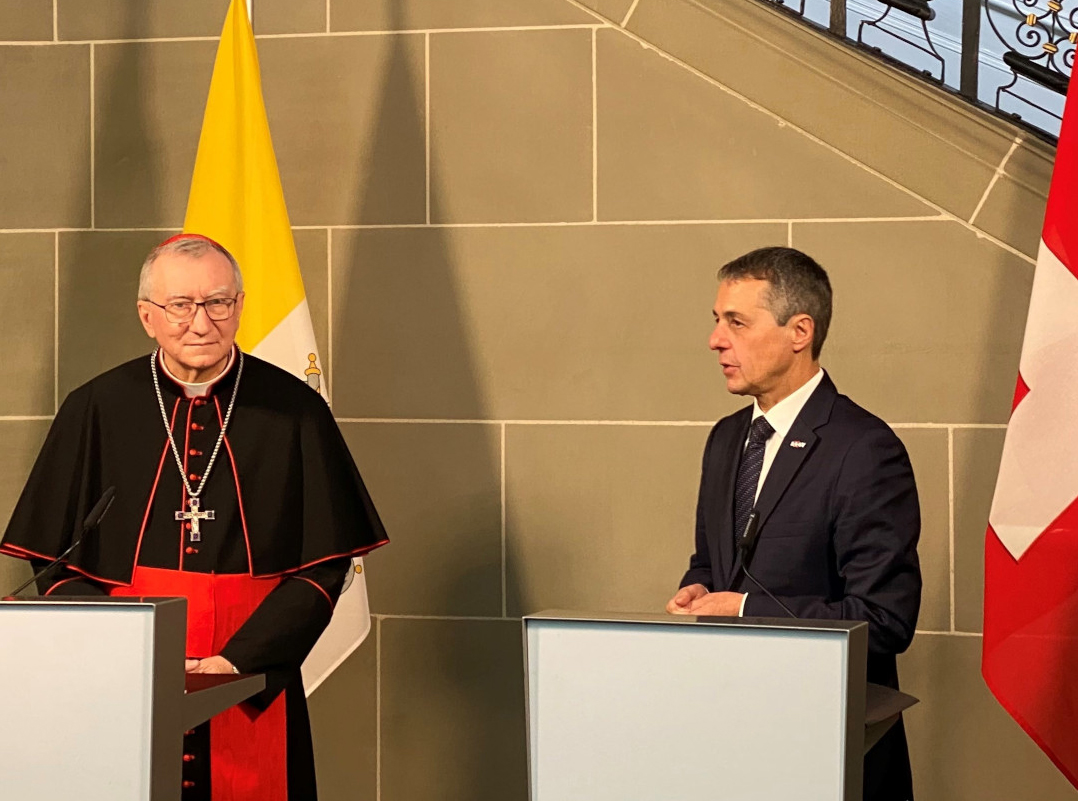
(184, 311)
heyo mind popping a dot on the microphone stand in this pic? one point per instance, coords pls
(746, 546)
(91, 522)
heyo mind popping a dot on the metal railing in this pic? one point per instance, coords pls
(1012, 57)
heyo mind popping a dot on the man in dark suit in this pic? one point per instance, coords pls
(835, 501)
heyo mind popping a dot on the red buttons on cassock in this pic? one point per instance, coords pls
(187, 525)
(194, 476)
(194, 452)
(197, 427)
(189, 549)
(188, 757)
(188, 784)
(200, 401)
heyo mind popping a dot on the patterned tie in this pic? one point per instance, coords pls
(748, 474)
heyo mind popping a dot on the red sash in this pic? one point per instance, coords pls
(249, 749)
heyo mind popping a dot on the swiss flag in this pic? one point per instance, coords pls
(1030, 657)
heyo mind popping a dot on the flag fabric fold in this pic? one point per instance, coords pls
(236, 199)
(1030, 648)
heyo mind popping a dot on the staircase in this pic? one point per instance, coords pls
(1011, 57)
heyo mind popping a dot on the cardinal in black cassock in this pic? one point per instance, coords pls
(252, 509)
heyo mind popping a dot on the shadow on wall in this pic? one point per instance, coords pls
(98, 271)
(95, 312)
(399, 323)
(98, 322)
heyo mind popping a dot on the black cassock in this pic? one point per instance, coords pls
(290, 510)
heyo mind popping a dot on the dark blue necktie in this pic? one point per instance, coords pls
(748, 473)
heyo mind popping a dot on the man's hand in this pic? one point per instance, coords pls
(685, 598)
(717, 604)
(212, 664)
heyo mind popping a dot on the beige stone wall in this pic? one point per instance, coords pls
(509, 215)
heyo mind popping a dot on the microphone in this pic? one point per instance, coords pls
(91, 522)
(745, 547)
(749, 535)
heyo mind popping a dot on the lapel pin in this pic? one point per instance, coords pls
(796, 443)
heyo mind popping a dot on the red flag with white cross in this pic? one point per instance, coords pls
(1030, 657)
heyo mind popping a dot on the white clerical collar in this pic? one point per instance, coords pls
(781, 416)
(202, 388)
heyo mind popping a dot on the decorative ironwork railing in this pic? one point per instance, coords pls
(1013, 57)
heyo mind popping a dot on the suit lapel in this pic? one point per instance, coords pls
(728, 458)
(790, 458)
(788, 461)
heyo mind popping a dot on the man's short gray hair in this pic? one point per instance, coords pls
(796, 285)
(192, 245)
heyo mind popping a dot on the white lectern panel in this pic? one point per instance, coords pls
(620, 711)
(77, 701)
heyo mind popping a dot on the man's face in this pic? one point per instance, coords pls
(755, 352)
(200, 343)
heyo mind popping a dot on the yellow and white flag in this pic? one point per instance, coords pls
(236, 199)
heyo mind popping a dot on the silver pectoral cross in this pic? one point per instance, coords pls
(194, 516)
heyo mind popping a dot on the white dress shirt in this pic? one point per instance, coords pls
(781, 416)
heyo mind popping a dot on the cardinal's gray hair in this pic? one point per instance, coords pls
(192, 245)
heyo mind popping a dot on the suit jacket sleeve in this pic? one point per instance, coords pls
(699, 571)
(876, 525)
(284, 628)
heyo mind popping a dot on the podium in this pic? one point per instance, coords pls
(665, 708)
(94, 701)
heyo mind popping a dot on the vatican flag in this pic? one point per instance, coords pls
(236, 199)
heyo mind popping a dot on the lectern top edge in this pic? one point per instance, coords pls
(576, 616)
(53, 601)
